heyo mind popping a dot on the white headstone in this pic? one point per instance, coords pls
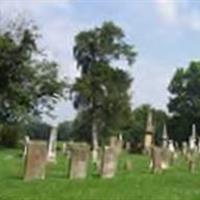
(192, 138)
(171, 146)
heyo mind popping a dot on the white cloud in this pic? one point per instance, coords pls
(179, 13)
(167, 10)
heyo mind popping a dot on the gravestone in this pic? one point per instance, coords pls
(78, 161)
(35, 160)
(109, 163)
(156, 159)
(116, 144)
(52, 145)
(167, 158)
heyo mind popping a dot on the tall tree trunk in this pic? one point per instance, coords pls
(95, 143)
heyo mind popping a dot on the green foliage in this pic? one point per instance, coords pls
(136, 130)
(81, 128)
(29, 82)
(9, 135)
(37, 129)
(65, 131)
(102, 88)
(185, 100)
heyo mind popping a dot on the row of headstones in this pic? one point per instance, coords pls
(162, 157)
(36, 159)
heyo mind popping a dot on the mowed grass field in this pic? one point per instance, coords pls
(139, 184)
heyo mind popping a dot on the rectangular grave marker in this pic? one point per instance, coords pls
(35, 160)
(78, 162)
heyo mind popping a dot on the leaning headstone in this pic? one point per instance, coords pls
(78, 162)
(52, 145)
(109, 163)
(35, 160)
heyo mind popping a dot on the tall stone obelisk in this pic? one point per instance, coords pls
(149, 132)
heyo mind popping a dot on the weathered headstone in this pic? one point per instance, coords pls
(109, 163)
(156, 159)
(78, 162)
(52, 145)
(35, 160)
(116, 144)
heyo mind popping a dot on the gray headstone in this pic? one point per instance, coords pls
(109, 163)
(78, 162)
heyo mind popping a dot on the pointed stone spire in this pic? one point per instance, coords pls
(149, 127)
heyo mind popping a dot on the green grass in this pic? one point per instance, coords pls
(139, 184)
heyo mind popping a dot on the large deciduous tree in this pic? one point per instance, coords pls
(185, 100)
(29, 83)
(102, 88)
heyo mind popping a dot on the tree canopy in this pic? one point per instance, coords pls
(102, 89)
(29, 81)
(184, 102)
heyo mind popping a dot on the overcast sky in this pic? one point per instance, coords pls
(166, 35)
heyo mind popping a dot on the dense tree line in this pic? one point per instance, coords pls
(101, 94)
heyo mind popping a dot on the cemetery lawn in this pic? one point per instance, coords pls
(139, 184)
